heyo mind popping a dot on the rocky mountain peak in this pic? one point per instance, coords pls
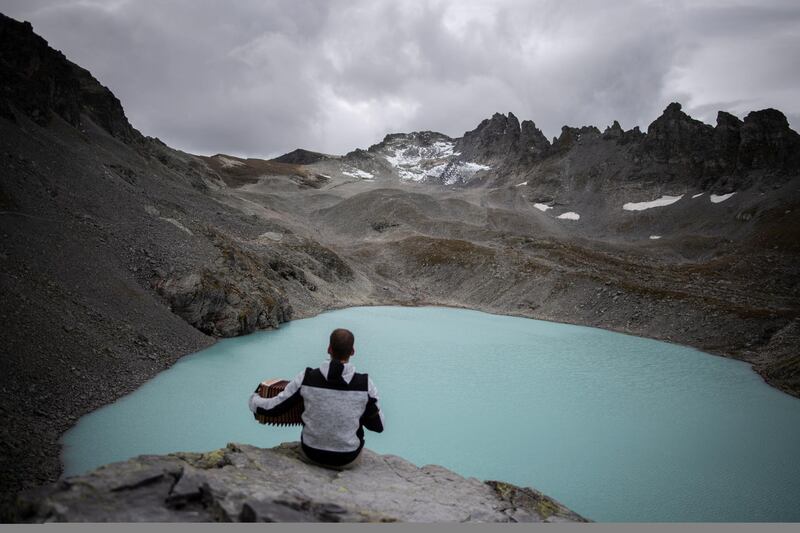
(728, 121)
(768, 141)
(677, 137)
(727, 136)
(498, 125)
(39, 82)
(531, 138)
(674, 122)
(419, 137)
(300, 156)
(613, 132)
(571, 135)
(498, 138)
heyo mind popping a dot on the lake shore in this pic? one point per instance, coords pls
(44, 431)
(574, 385)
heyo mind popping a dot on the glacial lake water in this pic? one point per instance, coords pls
(616, 427)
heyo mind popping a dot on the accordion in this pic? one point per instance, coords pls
(271, 388)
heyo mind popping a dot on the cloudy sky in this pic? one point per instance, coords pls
(260, 78)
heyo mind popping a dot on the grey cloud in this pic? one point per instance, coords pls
(261, 78)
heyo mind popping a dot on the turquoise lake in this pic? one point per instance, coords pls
(616, 427)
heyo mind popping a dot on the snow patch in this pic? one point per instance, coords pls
(414, 162)
(542, 207)
(177, 224)
(473, 167)
(228, 162)
(570, 215)
(462, 171)
(436, 171)
(697, 195)
(659, 202)
(358, 173)
(715, 199)
(271, 235)
(521, 184)
(654, 237)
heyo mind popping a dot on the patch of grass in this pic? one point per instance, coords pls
(530, 499)
(205, 461)
(427, 251)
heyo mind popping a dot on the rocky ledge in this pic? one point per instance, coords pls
(242, 483)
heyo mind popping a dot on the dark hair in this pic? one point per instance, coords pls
(342, 343)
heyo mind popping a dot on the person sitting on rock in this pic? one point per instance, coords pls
(338, 403)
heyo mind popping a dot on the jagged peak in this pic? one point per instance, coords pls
(673, 122)
(675, 111)
(768, 116)
(583, 130)
(614, 131)
(726, 120)
(498, 119)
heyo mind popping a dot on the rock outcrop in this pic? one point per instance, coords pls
(763, 141)
(242, 483)
(40, 82)
(224, 306)
(768, 142)
(502, 138)
(677, 138)
(571, 136)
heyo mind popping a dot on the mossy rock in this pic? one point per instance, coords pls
(534, 501)
(205, 461)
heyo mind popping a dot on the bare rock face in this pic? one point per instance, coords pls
(675, 137)
(613, 132)
(531, 139)
(727, 138)
(235, 295)
(219, 304)
(494, 138)
(768, 142)
(571, 136)
(38, 81)
(763, 141)
(242, 483)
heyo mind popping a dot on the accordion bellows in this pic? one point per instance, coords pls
(271, 388)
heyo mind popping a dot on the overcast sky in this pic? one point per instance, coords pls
(260, 78)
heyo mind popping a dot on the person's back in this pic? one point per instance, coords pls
(338, 403)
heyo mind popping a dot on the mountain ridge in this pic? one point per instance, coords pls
(672, 137)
